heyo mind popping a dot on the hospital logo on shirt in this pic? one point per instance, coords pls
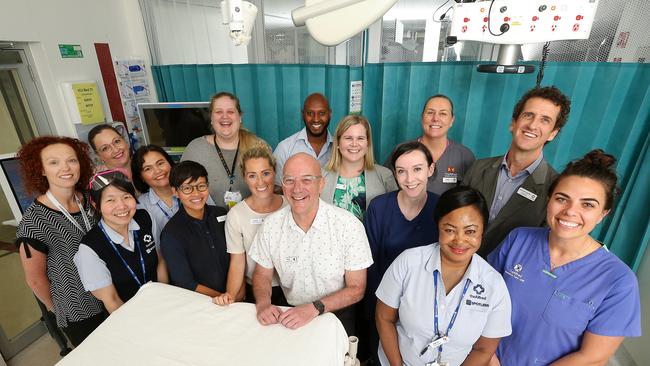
(479, 289)
(147, 238)
(515, 272)
(477, 297)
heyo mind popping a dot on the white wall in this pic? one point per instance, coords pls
(46, 24)
(638, 347)
(193, 34)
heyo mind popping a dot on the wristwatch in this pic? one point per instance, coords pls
(319, 306)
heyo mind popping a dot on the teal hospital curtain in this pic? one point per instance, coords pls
(610, 109)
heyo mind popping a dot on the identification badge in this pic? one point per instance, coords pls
(292, 259)
(257, 221)
(450, 178)
(527, 194)
(434, 344)
(436, 363)
(231, 198)
(221, 218)
(340, 186)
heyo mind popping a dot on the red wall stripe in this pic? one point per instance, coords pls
(110, 82)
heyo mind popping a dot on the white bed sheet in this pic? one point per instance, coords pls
(167, 325)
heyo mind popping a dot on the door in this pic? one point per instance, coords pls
(22, 117)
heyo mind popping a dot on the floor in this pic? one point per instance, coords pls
(43, 352)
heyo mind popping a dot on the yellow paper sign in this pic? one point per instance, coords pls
(88, 103)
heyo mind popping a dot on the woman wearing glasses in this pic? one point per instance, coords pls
(49, 233)
(118, 255)
(352, 179)
(243, 220)
(111, 147)
(221, 152)
(193, 242)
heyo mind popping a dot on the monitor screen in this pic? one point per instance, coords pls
(174, 125)
(13, 186)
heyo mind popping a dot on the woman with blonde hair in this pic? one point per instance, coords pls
(242, 222)
(230, 140)
(352, 179)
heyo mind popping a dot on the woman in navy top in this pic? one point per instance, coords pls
(399, 220)
(573, 301)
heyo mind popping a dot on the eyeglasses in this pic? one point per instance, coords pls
(116, 143)
(105, 178)
(189, 188)
(306, 180)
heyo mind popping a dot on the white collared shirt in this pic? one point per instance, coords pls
(408, 286)
(312, 264)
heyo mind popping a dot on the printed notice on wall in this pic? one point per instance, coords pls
(88, 103)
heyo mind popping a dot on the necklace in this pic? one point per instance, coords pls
(573, 258)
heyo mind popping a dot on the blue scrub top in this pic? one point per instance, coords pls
(597, 293)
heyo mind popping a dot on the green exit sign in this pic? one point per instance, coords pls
(70, 51)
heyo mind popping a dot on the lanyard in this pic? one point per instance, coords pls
(435, 311)
(229, 171)
(67, 215)
(164, 210)
(137, 249)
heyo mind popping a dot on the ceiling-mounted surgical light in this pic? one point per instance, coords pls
(331, 22)
(240, 16)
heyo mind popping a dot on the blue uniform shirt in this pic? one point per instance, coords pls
(596, 293)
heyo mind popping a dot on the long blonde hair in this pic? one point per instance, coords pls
(346, 122)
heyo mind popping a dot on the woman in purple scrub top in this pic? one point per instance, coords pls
(573, 302)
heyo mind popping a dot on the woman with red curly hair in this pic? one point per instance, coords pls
(48, 236)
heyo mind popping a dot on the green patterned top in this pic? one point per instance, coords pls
(350, 194)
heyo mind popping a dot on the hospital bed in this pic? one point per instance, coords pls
(168, 325)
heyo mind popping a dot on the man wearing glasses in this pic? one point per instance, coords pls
(193, 242)
(319, 251)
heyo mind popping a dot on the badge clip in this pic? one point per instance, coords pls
(435, 343)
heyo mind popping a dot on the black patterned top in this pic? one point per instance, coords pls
(50, 232)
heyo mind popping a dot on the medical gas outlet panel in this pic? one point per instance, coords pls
(523, 21)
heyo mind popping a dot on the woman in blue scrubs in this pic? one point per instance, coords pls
(442, 304)
(573, 301)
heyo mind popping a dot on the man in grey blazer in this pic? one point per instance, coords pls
(515, 185)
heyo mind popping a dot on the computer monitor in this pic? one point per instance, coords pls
(11, 181)
(173, 125)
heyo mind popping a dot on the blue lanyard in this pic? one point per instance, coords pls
(137, 249)
(164, 211)
(435, 310)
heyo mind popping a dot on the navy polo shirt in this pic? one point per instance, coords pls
(195, 250)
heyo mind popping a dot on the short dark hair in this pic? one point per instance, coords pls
(96, 130)
(121, 184)
(596, 165)
(406, 148)
(184, 170)
(138, 160)
(424, 107)
(552, 94)
(458, 197)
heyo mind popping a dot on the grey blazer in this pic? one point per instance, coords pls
(518, 211)
(378, 181)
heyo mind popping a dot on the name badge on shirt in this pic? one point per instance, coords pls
(292, 259)
(231, 198)
(527, 194)
(257, 221)
(450, 178)
(340, 186)
(221, 218)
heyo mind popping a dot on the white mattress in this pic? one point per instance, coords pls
(167, 325)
